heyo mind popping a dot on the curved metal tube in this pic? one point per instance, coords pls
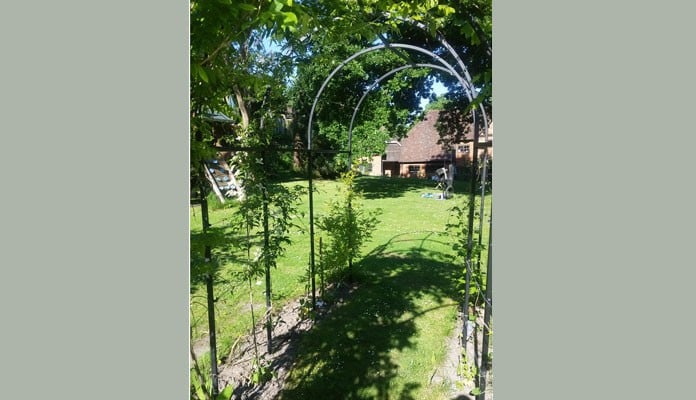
(375, 83)
(461, 64)
(466, 84)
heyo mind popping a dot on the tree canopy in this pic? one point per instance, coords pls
(276, 53)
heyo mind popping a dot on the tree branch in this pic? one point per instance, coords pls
(212, 55)
(481, 35)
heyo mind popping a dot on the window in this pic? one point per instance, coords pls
(413, 170)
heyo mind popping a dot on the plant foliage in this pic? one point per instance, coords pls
(347, 226)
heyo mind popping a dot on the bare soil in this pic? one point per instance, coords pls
(288, 325)
(449, 372)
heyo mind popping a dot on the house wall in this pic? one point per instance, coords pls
(412, 170)
(376, 162)
(390, 168)
(424, 170)
(404, 170)
(465, 150)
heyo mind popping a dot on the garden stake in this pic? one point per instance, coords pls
(487, 317)
(470, 234)
(266, 261)
(311, 226)
(321, 269)
(209, 295)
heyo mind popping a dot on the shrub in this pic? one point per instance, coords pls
(347, 227)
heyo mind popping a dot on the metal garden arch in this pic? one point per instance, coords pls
(466, 83)
(470, 93)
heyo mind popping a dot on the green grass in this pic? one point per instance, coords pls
(233, 316)
(388, 338)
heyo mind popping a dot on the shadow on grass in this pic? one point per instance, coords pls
(347, 354)
(221, 240)
(377, 187)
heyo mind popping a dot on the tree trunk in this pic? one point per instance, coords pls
(241, 104)
(297, 145)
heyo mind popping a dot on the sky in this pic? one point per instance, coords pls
(438, 88)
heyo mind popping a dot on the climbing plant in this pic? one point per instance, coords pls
(458, 229)
(267, 212)
(231, 71)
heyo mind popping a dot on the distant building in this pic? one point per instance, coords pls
(418, 155)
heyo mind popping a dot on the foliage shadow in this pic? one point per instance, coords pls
(347, 355)
(377, 187)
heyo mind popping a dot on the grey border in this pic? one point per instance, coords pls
(592, 243)
(95, 200)
(592, 180)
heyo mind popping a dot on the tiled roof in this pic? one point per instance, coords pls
(420, 144)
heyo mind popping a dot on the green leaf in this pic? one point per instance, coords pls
(290, 18)
(201, 72)
(468, 30)
(225, 394)
(199, 388)
(447, 10)
(247, 7)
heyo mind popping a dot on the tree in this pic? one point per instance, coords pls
(231, 69)
(344, 27)
(234, 72)
(224, 37)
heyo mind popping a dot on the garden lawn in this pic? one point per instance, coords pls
(388, 338)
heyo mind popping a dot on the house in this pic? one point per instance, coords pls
(419, 155)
